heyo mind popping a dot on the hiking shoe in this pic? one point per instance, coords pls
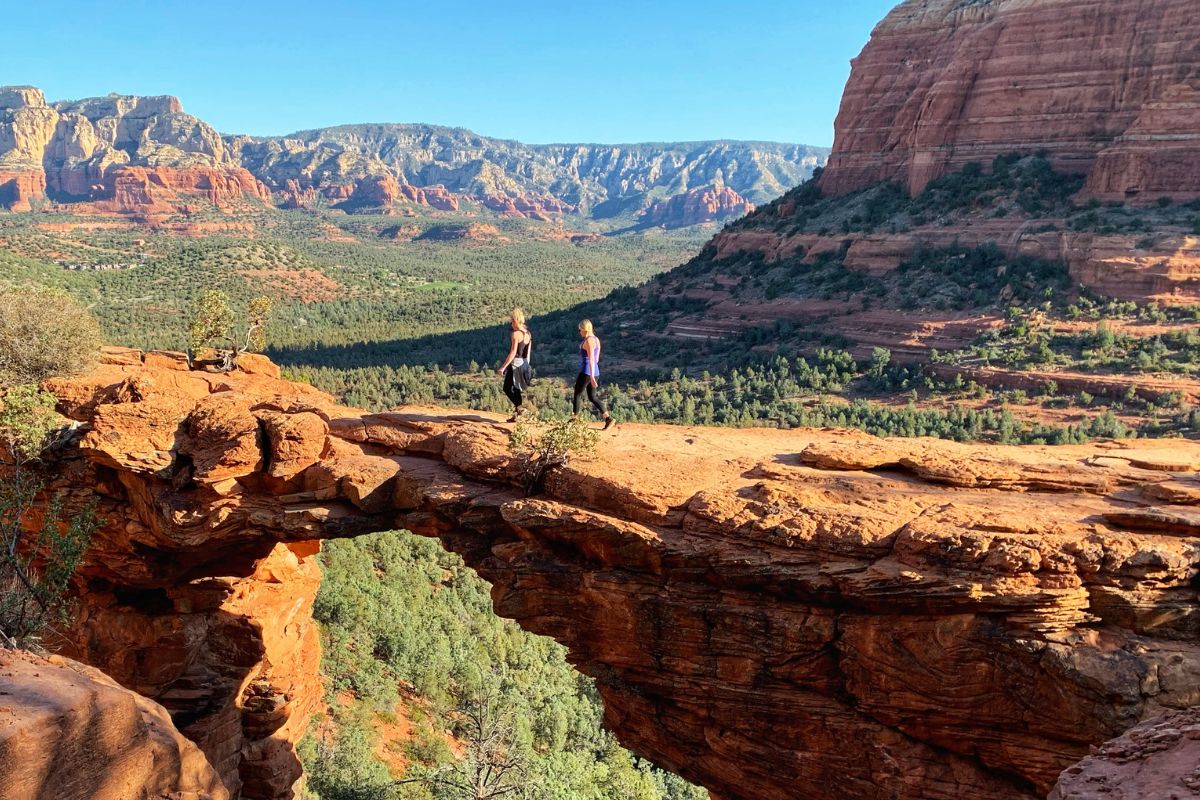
(608, 423)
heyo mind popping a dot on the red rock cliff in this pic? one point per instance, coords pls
(771, 614)
(1106, 87)
(134, 155)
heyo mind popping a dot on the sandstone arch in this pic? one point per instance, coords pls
(771, 614)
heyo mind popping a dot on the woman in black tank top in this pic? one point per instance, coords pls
(516, 369)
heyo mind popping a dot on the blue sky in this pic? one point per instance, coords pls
(616, 71)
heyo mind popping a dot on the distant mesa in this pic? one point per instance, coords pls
(145, 157)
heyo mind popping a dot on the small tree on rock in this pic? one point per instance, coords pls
(214, 328)
(541, 449)
(44, 333)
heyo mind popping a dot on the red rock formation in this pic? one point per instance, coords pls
(80, 151)
(382, 192)
(1106, 87)
(19, 187)
(1157, 759)
(696, 206)
(69, 732)
(167, 190)
(772, 614)
(338, 191)
(473, 232)
(297, 196)
(531, 207)
(431, 196)
(376, 191)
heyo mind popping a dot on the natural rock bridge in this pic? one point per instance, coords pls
(815, 614)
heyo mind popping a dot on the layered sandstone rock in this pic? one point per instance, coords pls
(526, 180)
(68, 732)
(697, 206)
(771, 614)
(19, 189)
(70, 152)
(539, 207)
(1106, 87)
(137, 155)
(383, 192)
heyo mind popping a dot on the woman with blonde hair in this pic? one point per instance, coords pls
(517, 372)
(589, 372)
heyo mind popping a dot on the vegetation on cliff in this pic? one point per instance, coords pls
(43, 334)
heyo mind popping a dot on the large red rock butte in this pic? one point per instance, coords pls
(1110, 88)
(118, 154)
(771, 614)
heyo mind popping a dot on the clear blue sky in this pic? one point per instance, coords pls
(614, 71)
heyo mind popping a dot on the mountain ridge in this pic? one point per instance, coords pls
(145, 156)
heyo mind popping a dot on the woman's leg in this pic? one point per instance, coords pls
(510, 388)
(581, 383)
(596, 401)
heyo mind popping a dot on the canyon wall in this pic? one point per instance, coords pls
(1110, 88)
(771, 614)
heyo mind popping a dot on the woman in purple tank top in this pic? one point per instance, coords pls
(589, 372)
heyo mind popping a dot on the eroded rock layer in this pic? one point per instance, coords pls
(1110, 88)
(706, 204)
(771, 614)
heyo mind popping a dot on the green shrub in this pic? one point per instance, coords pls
(44, 333)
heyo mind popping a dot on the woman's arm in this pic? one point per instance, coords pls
(512, 353)
(529, 352)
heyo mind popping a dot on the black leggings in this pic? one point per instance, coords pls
(584, 384)
(511, 389)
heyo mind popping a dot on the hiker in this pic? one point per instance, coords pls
(589, 372)
(517, 372)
